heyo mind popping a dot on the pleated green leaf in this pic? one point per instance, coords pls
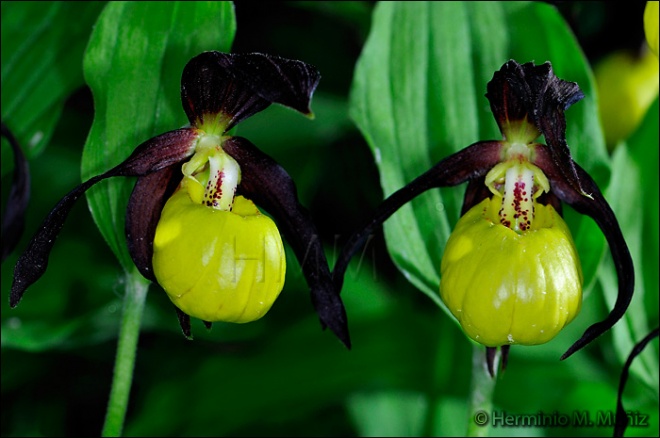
(133, 65)
(418, 96)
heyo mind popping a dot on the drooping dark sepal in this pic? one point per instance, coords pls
(184, 322)
(596, 207)
(19, 195)
(491, 353)
(469, 163)
(152, 155)
(267, 184)
(147, 200)
(621, 418)
(529, 96)
(229, 87)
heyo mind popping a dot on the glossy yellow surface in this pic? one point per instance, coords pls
(651, 12)
(506, 287)
(218, 265)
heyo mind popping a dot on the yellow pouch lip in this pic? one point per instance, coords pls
(506, 287)
(218, 265)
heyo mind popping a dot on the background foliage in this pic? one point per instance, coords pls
(409, 370)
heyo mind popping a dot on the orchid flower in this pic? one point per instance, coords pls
(510, 272)
(192, 221)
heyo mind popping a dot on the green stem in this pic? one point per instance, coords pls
(129, 331)
(482, 388)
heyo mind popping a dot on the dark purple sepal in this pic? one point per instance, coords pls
(470, 163)
(13, 224)
(235, 86)
(184, 322)
(147, 200)
(268, 185)
(152, 155)
(521, 95)
(511, 101)
(594, 205)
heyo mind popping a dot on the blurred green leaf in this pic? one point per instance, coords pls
(633, 194)
(392, 413)
(42, 49)
(133, 65)
(418, 94)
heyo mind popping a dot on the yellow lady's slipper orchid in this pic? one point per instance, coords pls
(192, 222)
(215, 264)
(510, 273)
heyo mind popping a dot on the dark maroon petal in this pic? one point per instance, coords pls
(33, 262)
(470, 163)
(153, 155)
(159, 152)
(596, 207)
(238, 86)
(269, 186)
(19, 195)
(621, 419)
(143, 213)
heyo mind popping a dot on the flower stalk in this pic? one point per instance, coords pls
(135, 296)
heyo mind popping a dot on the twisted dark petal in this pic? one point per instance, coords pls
(470, 163)
(159, 152)
(621, 419)
(269, 186)
(19, 196)
(599, 210)
(153, 155)
(240, 85)
(143, 212)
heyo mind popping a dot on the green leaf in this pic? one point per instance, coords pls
(635, 183)
(388, 413)
(42, 49)
(133, 65)
(418, 96)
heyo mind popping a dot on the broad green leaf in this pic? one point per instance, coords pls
(418, 96)
(42, 50)
(133, 65)
(633, 193)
